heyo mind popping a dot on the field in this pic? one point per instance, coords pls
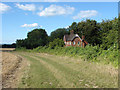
(7, 49)
(42, 70)
(12, 66)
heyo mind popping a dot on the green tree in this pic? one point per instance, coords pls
(89, 28)
(20, 43)
(58, 33)
(109, 33)
(74, 26)
(37, 37)
(56, 43)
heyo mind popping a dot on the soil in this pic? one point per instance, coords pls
(12, 69)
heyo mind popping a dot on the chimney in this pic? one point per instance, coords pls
(72, 32)
(83, 37)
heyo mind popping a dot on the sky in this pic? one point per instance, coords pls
(19, 18)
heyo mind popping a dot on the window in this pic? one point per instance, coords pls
(79, 43)
(74, 43)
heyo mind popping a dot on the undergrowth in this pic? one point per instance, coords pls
(89, 53)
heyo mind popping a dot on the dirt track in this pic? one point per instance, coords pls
(11, 66)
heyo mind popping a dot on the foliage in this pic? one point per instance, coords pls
(21, 49)
(89, 28)
(35, 38)
(20, 43)
(56, 43)
(8, 45)
(89, 53)
(104, 33)
(109, 33)
(59, 33)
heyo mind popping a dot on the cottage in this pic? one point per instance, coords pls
(74, 40)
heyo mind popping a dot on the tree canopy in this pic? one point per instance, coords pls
(58, 33)
(35, 38)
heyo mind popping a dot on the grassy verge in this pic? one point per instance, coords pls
(51, 71)
(89, 53)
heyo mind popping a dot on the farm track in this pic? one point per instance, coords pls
(67, 72)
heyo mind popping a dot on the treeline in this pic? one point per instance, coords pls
(8, 45)
(104, 34)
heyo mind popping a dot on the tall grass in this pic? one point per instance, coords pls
(89, 53)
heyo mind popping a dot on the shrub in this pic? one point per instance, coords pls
(56, 43)
(89, 53)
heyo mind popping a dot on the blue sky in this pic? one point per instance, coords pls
(20, 18)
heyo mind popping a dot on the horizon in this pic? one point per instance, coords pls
(50, 16)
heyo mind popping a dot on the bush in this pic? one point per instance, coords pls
(89, 53)
(56, 43)
(21, 49)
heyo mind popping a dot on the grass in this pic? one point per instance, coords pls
(38, 76)
(89, 53)
(51, 71)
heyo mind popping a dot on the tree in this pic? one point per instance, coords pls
(119, 30)
(91, 32)
(74, 26)
(20, 43)
(109, 33)
(56, 43)
(89, 28)
(58, 33)
(37, 37)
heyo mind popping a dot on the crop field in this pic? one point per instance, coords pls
(12, 66)
(42, 70)
(7, 49)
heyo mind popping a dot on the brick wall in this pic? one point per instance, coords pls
(75, 42)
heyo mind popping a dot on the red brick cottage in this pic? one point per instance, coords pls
(74, 40)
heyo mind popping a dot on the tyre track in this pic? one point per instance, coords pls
(57, 73)
(73, 77)
(80, 75)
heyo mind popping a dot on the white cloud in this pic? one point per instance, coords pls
(4, 8)
(86, 14)
(28, 7)
(53, 10)
(30, 25)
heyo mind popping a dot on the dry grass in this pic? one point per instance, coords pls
(8, 62)
(7, 49)
(12, 66)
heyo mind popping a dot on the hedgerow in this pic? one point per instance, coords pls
(89, 53)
